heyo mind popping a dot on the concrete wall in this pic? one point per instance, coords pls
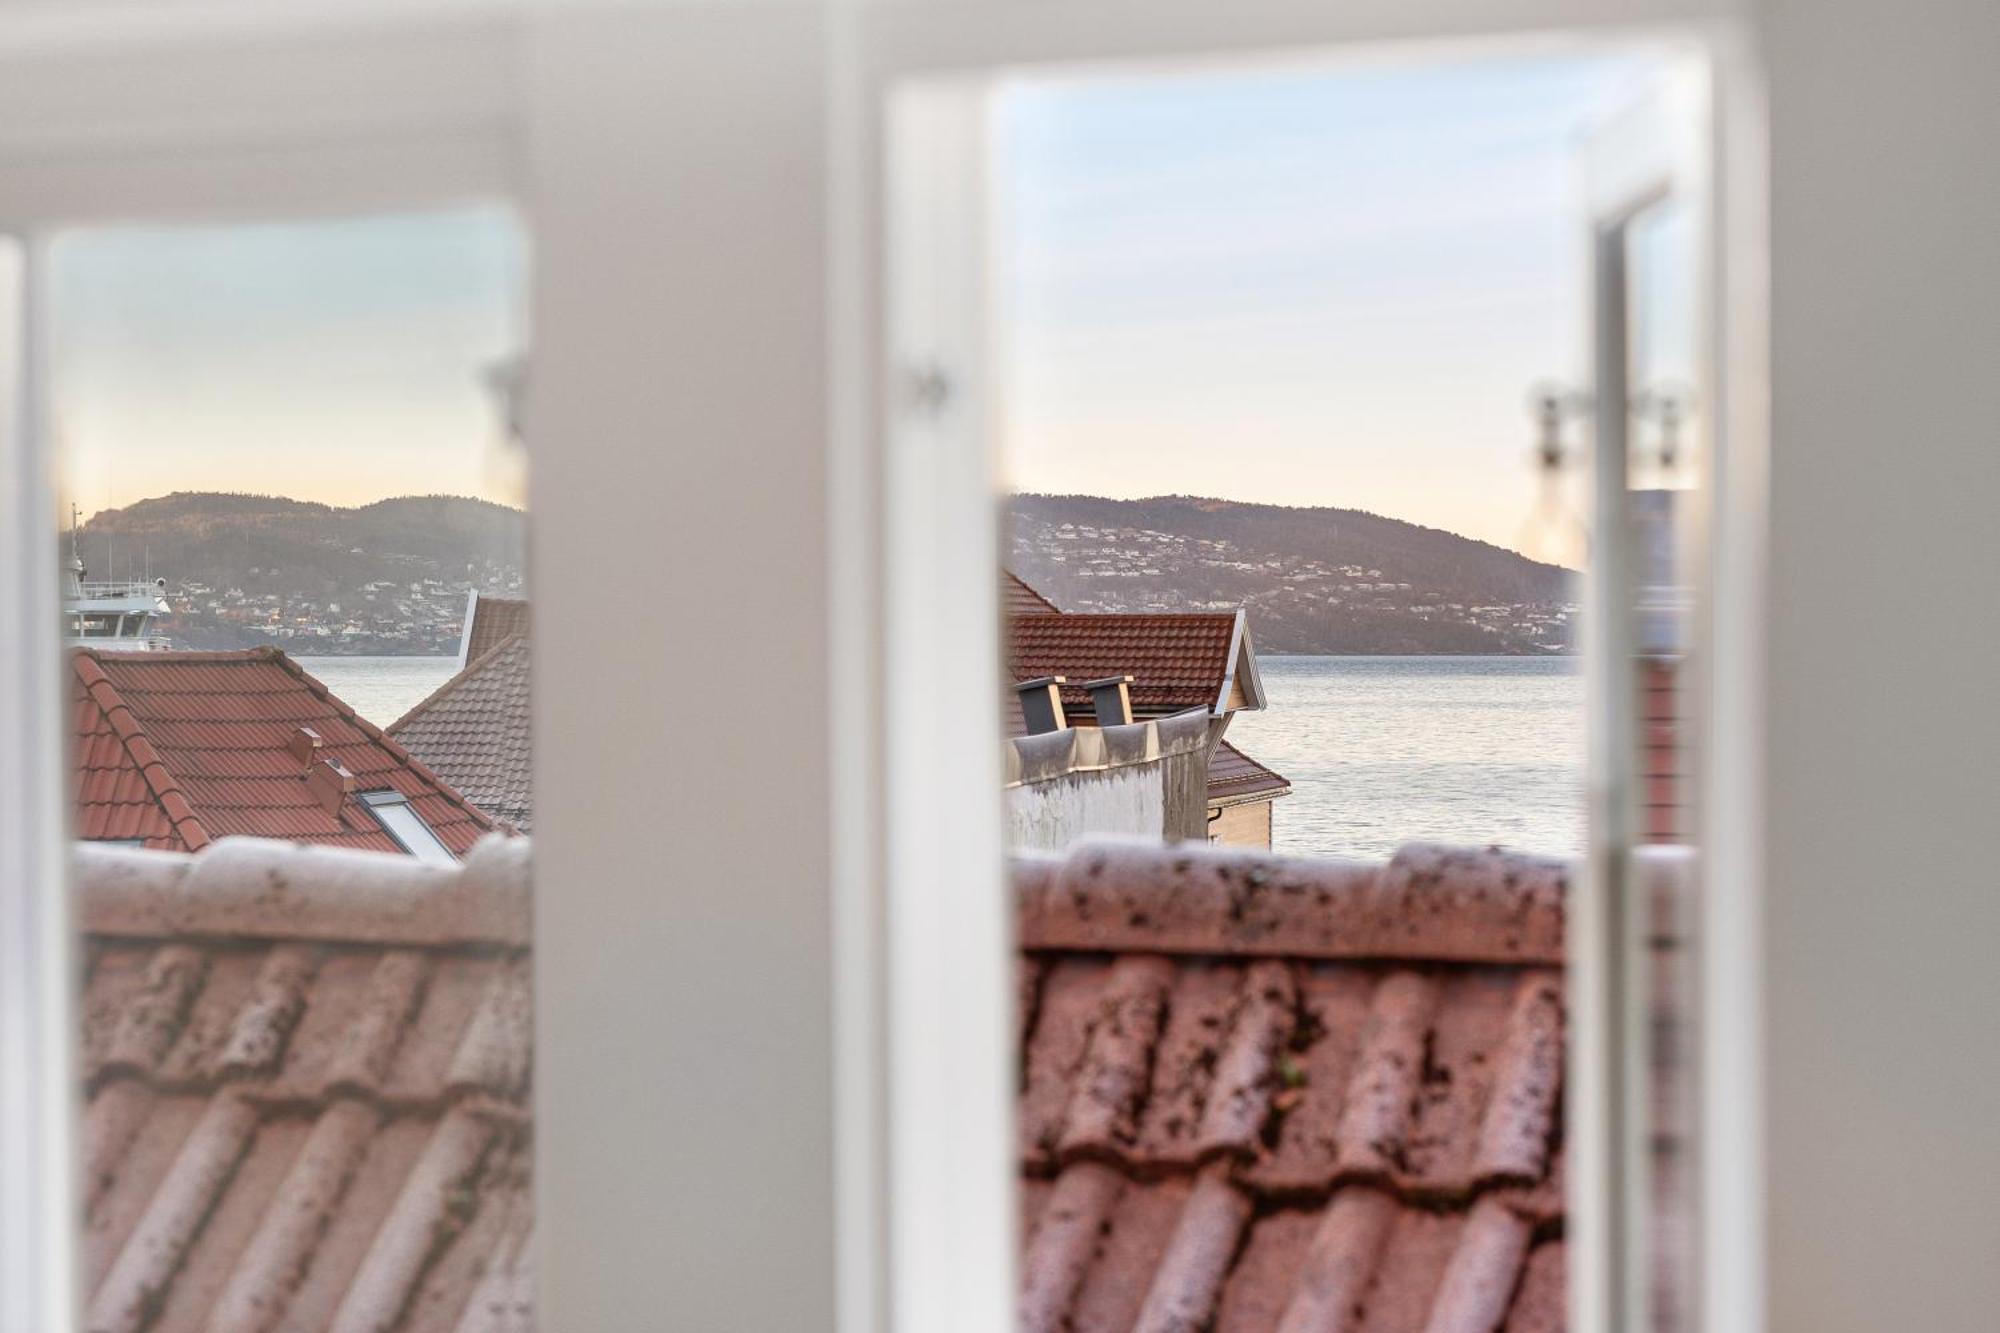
(1184, 792)
(1050, 815)
(1146, 778)
(1882, 927)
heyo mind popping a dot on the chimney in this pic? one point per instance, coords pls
(330, 785)
(1111, 699)
(304, 747)
(1041, 703)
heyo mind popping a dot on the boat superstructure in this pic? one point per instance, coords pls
(113, 614)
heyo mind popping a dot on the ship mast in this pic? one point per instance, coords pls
(76, 570)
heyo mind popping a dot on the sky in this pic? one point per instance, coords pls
(1297, 284)
(339, 361)
(1330, 285)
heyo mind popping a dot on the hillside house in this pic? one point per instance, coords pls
(1177, 663)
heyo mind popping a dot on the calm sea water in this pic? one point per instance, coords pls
(1384, 750)
(1380, 750)
(381, 689)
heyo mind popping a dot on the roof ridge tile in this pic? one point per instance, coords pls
(265, 889)
(143, 754)
(1428, 903)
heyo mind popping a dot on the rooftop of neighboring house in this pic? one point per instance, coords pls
(1257, 1093)
(474, 732)
(306, 1079)
(1266, 1094)
(1177, 660)
(489, 622)
(1018, 599)
(1235, 778)
(174, 750)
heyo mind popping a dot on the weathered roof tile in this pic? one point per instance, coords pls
(1234, 778)
(1351, 1082)
(306, 1089)
(474, 732)
(1429, 903)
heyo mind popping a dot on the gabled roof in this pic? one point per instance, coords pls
(1234, 778)
(178, 749)
(1265, 1094)
(473, 731)
(1178, 661)
(1018, 599)
(489, 622)
(306, 1083)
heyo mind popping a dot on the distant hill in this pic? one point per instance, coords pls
(1314, 580)
(388, 577)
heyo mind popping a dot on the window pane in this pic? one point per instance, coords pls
(291, 495)
(1296, 768)
(392, 810)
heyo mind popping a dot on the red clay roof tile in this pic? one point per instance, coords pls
(1177, 662)
(208, 735)
(474, 731)
(1429, 902)
(1018, 599)
(1265, 1095)
(494, 621)
(306, 1087)
(1235, 778)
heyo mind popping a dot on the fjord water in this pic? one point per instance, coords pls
(1386, 750)
(1380, 750)
(381, 689)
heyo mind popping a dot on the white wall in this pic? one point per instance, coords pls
(683, 1153)
(1050, 815)
(1883, 918)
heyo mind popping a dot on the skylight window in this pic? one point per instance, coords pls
(392, 810)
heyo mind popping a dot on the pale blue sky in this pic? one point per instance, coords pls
(1326, 285)
(1307, 285)
(336, 361)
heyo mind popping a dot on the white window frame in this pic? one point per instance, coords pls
(98, 130)
(928, 71)
(306, 113)
(422, 843)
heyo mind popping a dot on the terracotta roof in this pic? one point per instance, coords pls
(306, 1090)
(1178, 661)
(1186, 664)
(1018, 599)
(474, 730)
(491, 622)
(1234, 778)
(1262, 1094)
(177, 749)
